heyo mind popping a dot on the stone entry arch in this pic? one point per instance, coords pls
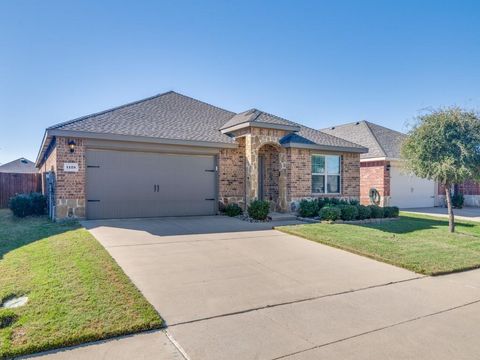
(258, 146)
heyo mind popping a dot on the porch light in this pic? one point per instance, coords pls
(71, 145)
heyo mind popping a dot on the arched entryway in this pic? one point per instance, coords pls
(269, 169)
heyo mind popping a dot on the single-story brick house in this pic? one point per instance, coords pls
(171, 155)
(381, 167)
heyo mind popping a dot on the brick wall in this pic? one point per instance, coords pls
(299, 176)
(231, 170)
(70, 186)
(351, 175)
(374, 174)
(469, 189)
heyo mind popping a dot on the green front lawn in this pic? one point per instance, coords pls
(418, 243)
(76, 291)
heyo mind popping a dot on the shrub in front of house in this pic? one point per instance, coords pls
(390, 211)
(348, 212)
(233, 210)
(376, 211)
(258, 209)
(458, 200)
(308, 208)
(28, 204)
(330, 213)
(364, 212)
(354, 202)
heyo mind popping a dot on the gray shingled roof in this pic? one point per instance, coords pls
(309, 136)
(19, 166)
(167, 116)
(254, 115)
(178, 117)
(380, 141)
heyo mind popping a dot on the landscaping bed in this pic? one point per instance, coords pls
(76, 292)
(419, 243)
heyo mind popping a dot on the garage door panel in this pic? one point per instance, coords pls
(136, 184)
(409, 191)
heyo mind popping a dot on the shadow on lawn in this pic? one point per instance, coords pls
(18, 232)
(407, 224)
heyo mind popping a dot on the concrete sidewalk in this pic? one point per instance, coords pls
(467, 213)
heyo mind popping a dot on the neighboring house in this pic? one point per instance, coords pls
(381, 166)
(469, 189)
(19, 166)
(171, 155)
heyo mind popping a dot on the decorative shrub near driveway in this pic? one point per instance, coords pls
(233, 210)
(76, 292)
(334, 209)
(258, 209)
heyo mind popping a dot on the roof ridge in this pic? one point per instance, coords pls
(343, 125)
(336, 137)
(108, 110)
(200, 101)
(384, 127)
(130, 104)
(375, 137)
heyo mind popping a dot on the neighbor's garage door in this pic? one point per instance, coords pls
(408, 191)
(138, 184)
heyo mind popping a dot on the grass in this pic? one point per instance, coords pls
(414, 242)
(77, 293)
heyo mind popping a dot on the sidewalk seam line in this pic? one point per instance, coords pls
(379, 329)
(296, 301)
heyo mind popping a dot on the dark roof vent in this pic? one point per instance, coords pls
(24, 161)
(357, 123)
(333, 128)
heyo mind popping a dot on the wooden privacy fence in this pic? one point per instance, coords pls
(11, 184)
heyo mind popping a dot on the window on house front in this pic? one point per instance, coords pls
(325, 174)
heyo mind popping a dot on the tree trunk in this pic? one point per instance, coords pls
(451, 218)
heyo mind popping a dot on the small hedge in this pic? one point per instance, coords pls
(377, 212)
(308, 208)
(233, 210)
(390, 211)
(458, 200)
(348, 212)
(364, 212)
(28, 204)
(258, 209)
(334, 209)
(330, 213)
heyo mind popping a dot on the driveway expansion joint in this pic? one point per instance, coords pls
(269, 306)
(453, 308)
(191, 241)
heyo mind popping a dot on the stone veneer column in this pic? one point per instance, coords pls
(251, 171)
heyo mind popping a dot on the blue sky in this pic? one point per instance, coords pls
(316, 62)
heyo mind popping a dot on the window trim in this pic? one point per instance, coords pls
(326, 174)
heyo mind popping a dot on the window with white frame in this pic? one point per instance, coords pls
(326, 174)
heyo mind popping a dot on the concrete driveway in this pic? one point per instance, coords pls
(234, 290)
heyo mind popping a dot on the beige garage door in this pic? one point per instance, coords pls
(139, 184)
